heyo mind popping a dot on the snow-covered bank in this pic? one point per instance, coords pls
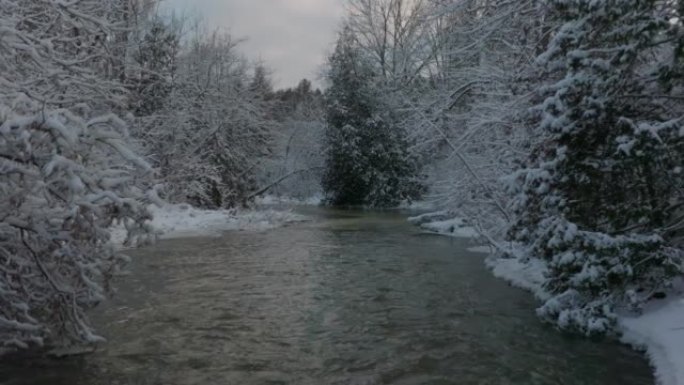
(659, 330)
(273, 200)
(444, 222)
(179, 221)
(526, 275)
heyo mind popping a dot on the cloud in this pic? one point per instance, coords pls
(289, 36)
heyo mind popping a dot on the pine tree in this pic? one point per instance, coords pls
(368, 162)
(260, 85)
(155, 60)
(599, 199)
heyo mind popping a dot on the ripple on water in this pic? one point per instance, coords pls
(352, 298)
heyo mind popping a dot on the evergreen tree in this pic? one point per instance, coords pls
(368, 162)
(260, 84)
(155, 60)
(599, 201)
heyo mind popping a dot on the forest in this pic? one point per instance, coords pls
(553, 128)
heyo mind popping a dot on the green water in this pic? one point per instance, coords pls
(347, 298)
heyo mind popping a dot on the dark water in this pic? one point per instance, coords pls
(349, 298)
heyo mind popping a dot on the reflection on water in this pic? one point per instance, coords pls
(349, 298)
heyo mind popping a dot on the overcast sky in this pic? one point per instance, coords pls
(292, 37)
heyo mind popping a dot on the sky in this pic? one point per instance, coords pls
(291, 37)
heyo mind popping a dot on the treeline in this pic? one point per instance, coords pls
(554, 126)
(106, 107)
(210, 123)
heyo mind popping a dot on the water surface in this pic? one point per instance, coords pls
(347, 298)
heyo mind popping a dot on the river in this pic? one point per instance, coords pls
(346, 298)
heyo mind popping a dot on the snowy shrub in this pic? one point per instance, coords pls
(599, 199)
(64, 181)
(66, 169)
(591, 271)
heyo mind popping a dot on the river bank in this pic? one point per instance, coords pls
(183, 221)
(659, 330)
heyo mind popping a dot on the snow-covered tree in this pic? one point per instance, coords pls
(64, 181)
(467, 110)
(151, 78)
(260, 84)
(367, 159)
(213, 130)
(294, 167)
(600, 200)
(66, 171)
(394, 36)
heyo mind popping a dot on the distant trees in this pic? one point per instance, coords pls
(295, 165)
(393, 36)
(367, 158)
(213, 126)
(155, 66)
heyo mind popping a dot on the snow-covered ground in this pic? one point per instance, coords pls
(659, 330)
(443, 222)
(526, 275)
(272, 200)
(180, 221)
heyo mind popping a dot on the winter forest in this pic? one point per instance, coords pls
(550, 131)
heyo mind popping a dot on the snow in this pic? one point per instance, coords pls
(442, 222)
(181, 221)
(480, 249)
(430, 217)
(423, 205)
(528, 275)
(455, 227)
(659, 330)
(275, 200)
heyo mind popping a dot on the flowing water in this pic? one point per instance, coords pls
(347, 298)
